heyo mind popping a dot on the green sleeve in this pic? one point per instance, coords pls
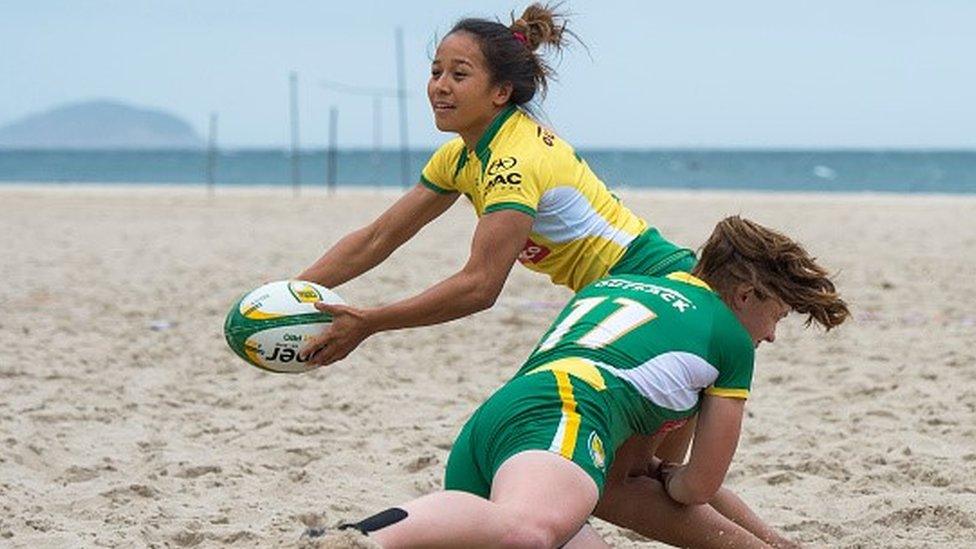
(433, 186)
(735, 358)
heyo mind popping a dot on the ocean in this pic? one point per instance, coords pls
(788, 170)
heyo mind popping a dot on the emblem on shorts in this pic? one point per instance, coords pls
(597, 454)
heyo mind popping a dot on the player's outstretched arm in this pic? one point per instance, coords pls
(498, 239)
(363, 249)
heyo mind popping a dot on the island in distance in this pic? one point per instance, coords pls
(100, 124)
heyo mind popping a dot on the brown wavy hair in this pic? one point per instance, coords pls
(512, 52)
(741, 251)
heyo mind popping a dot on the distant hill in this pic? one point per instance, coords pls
(99, 125)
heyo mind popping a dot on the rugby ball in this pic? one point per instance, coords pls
(268, 326)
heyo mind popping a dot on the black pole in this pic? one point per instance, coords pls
(296, 176)
(333, 150)
(402, 96)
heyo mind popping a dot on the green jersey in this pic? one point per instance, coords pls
(629, 354)
(657, 343)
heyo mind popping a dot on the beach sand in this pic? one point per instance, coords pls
(126, 421)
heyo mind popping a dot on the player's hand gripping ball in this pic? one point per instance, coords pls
(269, 325)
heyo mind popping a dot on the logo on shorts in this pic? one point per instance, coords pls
(597, 454)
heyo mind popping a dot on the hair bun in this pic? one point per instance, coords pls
(541, 25)
(510, 51)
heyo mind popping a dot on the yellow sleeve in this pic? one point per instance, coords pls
(514, 184)
(438, 174)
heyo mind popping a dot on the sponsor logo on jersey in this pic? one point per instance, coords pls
(597, 452)
(674, 297)
(508, 181)
(502, 164)
(532, 252)
(545, 135)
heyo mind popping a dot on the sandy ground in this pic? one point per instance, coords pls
(126, 421)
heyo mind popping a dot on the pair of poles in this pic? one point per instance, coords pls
(378, 94)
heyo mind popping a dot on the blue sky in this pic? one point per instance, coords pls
(827, 73)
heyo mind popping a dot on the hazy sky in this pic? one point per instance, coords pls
(717, 73)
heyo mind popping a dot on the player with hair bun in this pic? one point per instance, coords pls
(537, 201)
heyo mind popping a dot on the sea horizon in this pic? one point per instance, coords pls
(782, 169)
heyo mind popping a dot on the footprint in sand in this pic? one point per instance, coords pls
(419, 464)
(934, 516)
(198, 471)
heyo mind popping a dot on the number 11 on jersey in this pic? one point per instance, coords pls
(629, 315)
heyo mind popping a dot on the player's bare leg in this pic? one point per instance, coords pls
(520, 512)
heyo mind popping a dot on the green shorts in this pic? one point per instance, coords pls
(549, 409)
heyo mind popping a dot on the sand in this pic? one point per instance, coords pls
(126, 421)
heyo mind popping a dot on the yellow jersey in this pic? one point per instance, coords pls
(580, 230)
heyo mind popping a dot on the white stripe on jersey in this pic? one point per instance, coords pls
(564, 215)
(671, 380)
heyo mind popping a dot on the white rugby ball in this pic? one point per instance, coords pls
(268, 326)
